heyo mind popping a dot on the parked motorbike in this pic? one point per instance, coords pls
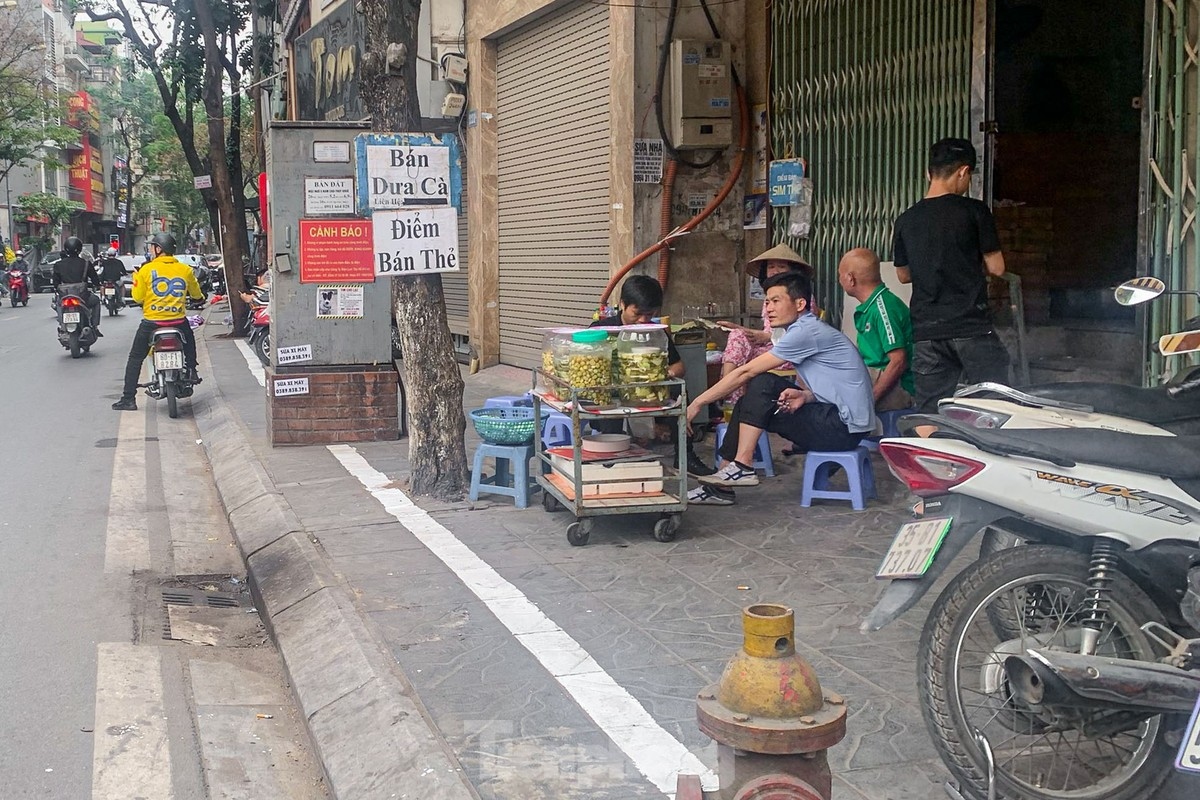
(168, 380)
(259, 330)
(1154, 411)
(1070, 655)
(18, 287)
(112, 301)
(75, 331)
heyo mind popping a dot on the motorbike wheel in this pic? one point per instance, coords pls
(263, 348)
(1038, 756)
(12, 298)
(172, 399)
(75, 347)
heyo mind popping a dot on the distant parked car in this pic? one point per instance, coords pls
(131, 262)
(41, 277)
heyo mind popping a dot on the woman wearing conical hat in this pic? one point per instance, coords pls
(747, 343)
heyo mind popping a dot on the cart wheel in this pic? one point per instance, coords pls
(666, 528)
(550, 502)
(577, 534)
(699, 432)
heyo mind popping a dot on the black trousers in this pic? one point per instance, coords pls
(938, 365)
(815, 426)
(141, 346)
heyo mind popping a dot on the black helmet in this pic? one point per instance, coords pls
(166, 241)
(73, 246)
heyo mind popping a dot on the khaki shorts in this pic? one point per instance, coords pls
(894, 400)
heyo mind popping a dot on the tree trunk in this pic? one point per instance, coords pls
(433, 382)
(233, 229)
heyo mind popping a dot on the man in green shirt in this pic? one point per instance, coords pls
(885, 337)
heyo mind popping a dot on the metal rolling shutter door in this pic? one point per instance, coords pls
(553, 175)
(454, 284)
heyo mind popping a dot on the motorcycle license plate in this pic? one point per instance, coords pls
(168, 360)
(1189, 751)
(110, 292)
(71, 317)
(913, 549)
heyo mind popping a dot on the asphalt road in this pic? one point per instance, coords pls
(101, 697)
(57, 603)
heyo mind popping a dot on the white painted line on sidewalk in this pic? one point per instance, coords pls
(252, 362)
(131, 754)
(127, 534)
(656, 753)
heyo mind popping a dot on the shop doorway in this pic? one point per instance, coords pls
(1066, 138)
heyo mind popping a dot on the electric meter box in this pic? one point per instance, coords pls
(701, 94)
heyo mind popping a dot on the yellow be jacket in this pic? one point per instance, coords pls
(162, 286)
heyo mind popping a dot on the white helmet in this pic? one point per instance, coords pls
(110, 252)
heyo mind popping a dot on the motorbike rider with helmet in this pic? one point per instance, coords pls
(111, 271)
(72, 273)
(161, 287)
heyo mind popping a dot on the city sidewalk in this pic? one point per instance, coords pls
(473, 638)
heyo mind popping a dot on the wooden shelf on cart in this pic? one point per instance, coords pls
(611, 500)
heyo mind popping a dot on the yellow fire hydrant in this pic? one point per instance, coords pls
(769, 716)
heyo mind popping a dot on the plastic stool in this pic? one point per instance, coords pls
(506, 456)
(818, 467)
(508, 401)
(556, 430)
(762, 452)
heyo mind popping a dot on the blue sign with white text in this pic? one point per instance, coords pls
(785, 177)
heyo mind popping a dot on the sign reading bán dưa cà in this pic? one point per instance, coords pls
(406, 170)
(416, 242)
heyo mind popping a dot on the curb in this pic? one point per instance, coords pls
(371, 734)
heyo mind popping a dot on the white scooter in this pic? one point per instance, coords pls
(1155, 411)
(1062, 665)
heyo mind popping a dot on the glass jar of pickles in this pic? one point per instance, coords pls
(590, 366)
(641, 357)
(556, 354)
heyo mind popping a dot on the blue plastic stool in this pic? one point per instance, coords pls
(818, 467)
(888, 423)
(762, 452)
(506, 456)
(556, 430)
(508, 401)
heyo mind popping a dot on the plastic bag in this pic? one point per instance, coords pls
(800, 216)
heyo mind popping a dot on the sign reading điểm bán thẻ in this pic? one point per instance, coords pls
(416, 242)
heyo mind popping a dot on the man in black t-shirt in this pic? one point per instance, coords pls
(946, 246)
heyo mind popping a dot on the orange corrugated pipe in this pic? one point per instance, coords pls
(739, 163)
(664, 255)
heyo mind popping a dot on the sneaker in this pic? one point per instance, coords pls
(698, 467)
(99, 335)
(125, 404)
(710, 496)
(732, 474)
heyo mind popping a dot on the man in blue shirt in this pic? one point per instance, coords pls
(835, 408)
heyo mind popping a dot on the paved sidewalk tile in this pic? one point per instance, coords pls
(660, 619)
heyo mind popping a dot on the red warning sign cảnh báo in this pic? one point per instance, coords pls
(336, 251)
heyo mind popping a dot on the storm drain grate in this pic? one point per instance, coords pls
(199, 597)
(194, 598)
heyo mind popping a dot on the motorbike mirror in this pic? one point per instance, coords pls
(1174, 344)
(1139, 290)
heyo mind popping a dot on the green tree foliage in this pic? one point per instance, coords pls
(49, 209)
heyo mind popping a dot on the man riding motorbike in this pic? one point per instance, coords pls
(161, 287)
(111, 271)
(72, 273)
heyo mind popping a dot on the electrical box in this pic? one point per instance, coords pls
(701, 94)
(452, 104)
(454, 69)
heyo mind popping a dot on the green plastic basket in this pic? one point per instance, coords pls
(506, 425)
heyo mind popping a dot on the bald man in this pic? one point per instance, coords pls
(884, 328)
